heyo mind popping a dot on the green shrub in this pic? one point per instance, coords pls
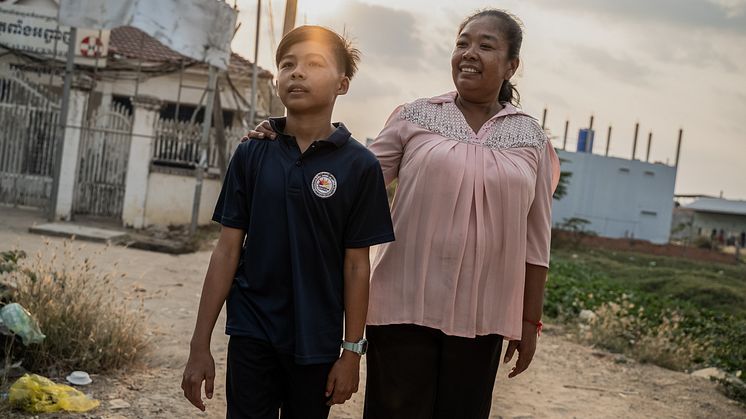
(671, 312)
(88, 322)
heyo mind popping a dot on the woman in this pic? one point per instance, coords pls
(472, 218)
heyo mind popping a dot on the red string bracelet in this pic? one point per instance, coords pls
(538, 325)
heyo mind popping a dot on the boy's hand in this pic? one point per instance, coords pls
(200, 367)
(263, 130)
(343, 378)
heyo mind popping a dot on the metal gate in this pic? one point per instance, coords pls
(29, 128)
(102, 167)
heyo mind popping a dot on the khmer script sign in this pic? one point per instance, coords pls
(36, 31)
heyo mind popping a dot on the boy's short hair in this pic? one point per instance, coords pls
(346, 55)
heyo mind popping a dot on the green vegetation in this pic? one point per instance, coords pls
(674, 312)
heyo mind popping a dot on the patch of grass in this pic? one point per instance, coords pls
(673, 312)
(9, 260)
(707, 285)
(89, 323)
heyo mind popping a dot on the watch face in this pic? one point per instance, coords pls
(364, 346)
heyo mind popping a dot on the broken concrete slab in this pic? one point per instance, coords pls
(79, 232)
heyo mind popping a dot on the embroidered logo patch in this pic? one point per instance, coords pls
(324, 184)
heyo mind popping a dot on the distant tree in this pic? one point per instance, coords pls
(564, 181)
(577, 227)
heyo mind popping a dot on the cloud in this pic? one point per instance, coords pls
(624, 69)
(384, 35)
(366, 86)
(722, 15)
(696, 52)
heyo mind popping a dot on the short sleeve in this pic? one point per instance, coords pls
(539, 226)
(389, 146)
(234, 201)
(369, 222)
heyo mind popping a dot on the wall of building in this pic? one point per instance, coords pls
(732, 225)
(170, 198)
(620, 198)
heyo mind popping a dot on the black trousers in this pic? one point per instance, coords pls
(416, 372)
(260, 382)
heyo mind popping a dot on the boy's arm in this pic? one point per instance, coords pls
(201, 366)
(345, 374)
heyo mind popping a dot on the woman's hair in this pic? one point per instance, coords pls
(345, 54)
(509, 27)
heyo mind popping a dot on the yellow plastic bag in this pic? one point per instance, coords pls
(36, 394)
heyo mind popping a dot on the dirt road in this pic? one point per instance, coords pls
(566, 380)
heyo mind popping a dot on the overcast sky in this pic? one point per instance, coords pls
(668, 64)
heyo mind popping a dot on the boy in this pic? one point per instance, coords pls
(309, 205)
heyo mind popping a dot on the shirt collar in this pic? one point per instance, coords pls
(338, 137)
(508, 108)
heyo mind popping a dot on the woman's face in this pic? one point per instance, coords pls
(480, 62)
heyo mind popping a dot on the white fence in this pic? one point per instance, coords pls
(102, 167)
(177, 144)
(29, 128)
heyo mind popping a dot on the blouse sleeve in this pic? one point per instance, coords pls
(389, 146)
(539, 228)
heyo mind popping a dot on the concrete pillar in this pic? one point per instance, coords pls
(106, 96)
(63, 208)
(138, 164)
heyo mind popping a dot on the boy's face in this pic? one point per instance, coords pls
(309, 77)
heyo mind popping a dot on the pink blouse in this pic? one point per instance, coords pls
(469, 212)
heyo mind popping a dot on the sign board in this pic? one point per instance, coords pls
(37, 32)
(199, 29)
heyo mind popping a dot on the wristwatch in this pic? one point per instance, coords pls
(360, 347)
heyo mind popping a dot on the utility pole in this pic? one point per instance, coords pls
(544, 119)
(60, 143)
(634, 141)
(291, 7)
(204, 143)
(608, 141)
(564, 140)
(255, 72)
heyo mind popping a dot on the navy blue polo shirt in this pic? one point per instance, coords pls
(300, 212)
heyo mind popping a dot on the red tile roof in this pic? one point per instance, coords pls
(131, 42)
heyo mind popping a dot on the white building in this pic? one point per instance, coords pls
(619, 197)
(133, 127)
(721, 219)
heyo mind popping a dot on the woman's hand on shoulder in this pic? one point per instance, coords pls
(263, 130)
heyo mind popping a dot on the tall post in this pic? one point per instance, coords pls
(564, 140)
(678, 147)
(544, 119)
(201, 167)
(634, 141)
(608, 141)
(60, 143)
(255, 72)
(178, 92)
(291, 7)
(589, 141)
(647, 153)
(220, 143)
(79, 93)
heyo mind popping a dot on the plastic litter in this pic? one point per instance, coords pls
(18, 320)
(79, 378)
(36, 394)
